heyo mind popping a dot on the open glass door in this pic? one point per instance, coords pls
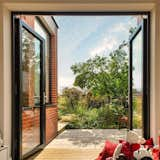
(139, 80)
(29, 62)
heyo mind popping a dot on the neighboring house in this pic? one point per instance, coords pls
(46, 27)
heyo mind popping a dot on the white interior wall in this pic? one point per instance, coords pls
(155, 72)
(6, 6)
(5, 78)
(1, 69)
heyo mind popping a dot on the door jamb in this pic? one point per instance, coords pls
(73, 13)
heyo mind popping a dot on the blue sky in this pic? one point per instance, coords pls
(82, 37)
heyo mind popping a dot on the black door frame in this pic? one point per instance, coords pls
(144, 28)
(17, 109)
(15, 71)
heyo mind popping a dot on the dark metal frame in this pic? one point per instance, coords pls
(15, 91)
(17, 108)
(82, 13)
(144, 28)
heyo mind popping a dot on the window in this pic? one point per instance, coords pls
(30, 69)
(43, 32)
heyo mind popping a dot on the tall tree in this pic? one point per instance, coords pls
(104, 75)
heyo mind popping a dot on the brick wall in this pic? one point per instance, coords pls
(28, 20)
(52, 112)
(51, 123)
(53, 69)
(31, 118)
(30, 129)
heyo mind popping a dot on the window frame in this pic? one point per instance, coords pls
(69, 13)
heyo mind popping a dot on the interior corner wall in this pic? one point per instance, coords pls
(155, 74)
(5, 77)
(1, 71)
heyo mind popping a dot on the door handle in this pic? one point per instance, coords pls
(44, 98)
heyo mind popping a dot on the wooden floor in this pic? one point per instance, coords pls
(66, 154)
(79, 144)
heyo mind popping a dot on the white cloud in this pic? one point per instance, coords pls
(107, 45)
(111, 39)
(121, 27)
(65, 82)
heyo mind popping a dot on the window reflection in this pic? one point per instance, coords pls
(30, 69)
(30, 91)
(40, 29)
(137, 80)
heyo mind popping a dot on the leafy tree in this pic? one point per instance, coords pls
(105, 75)
(72, 96)
(118, 71)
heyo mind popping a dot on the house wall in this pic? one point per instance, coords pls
(52, 112)
(51, 109)
(6, 6)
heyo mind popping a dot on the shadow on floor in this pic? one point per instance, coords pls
(79, 144)
(87, 137)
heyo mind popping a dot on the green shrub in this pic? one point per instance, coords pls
(137, 121)
(104, 117)
(89, 118)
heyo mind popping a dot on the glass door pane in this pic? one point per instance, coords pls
(30, 91)
(137, 81)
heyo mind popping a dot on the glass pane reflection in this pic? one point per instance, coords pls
(30, 69)
(30, 91)
(137, 80)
